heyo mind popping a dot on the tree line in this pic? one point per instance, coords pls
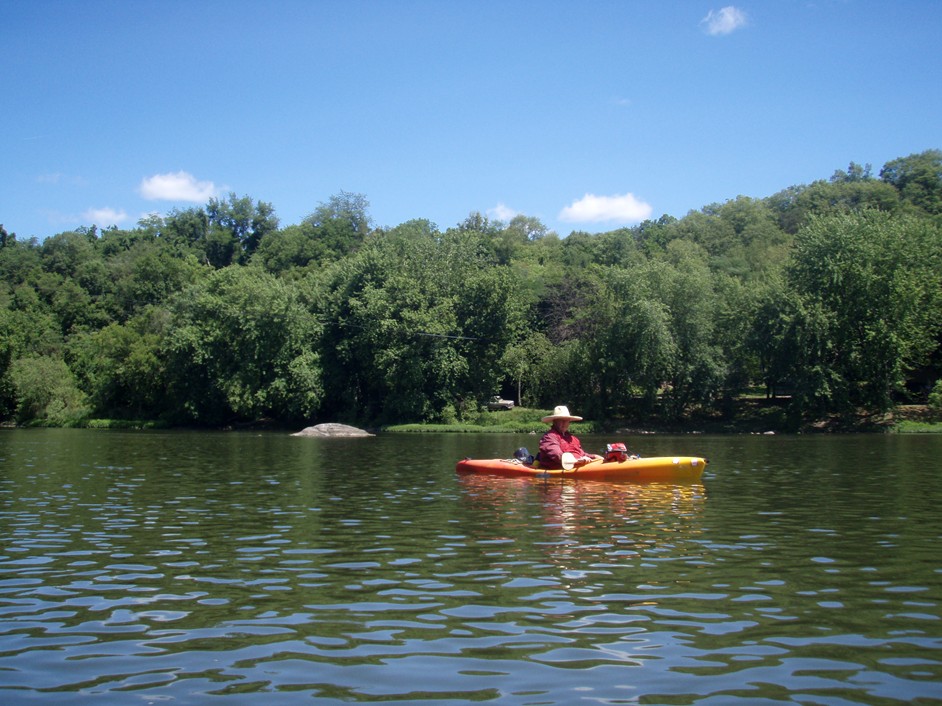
(828, 295)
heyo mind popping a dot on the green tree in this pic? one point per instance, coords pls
(698, 370)
(417, 324)
(147, 274)
(19, 262)
(935, 400)
(758, 245)
(918, 178)
(240, 346)
(842, 194)
(627, 346)
(114, 241)
(708, 229)
(868, 288)
(771, 336)
(64, 253)
(74, 307)
(622, 335)
(7, 353)
(33, 329)
(238, 223)
(220, 247)
(737, 301)
(855, 172)
(45, 390)
(523, 361)
(121, 369)
(290, 249)
(507, 242)
(527, 228)
(342, 223)
(185, 231)
(652, 236)
(490, 310)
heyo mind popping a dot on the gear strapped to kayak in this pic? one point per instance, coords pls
(561, 454)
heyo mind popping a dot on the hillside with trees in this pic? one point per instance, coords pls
(826, 298)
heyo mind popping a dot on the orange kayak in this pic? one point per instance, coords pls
(655, 468)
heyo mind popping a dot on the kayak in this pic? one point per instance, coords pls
(654, 468)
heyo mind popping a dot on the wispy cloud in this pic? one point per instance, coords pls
(104, 217)
(60, 178)
(177, 186)
(623, 208)
(502, 212)
(723, 21)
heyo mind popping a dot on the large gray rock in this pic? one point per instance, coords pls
(331, 429)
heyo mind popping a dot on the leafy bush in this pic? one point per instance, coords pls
(46, 391)
(935, 400)
(519, 420)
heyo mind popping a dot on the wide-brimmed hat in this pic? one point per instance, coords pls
(561, 412)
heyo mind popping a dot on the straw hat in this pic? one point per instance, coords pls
(561, 412)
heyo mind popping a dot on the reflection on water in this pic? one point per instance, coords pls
(168, 567)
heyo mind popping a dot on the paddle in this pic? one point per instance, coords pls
(569, 461)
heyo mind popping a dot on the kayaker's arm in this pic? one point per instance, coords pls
(551, 451)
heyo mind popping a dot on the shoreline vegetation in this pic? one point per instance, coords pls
(752, 416)
(816, 309)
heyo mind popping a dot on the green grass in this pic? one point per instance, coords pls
(120, 424)
(519, 420)
(907, 426)
(454, 428)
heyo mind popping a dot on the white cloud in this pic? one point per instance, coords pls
(104, 217)
(502, 212)
(724, 21)
(594, 209)
(177, 186)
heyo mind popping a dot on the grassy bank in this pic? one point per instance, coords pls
(746, 416)
(519, 420)
(911, 427)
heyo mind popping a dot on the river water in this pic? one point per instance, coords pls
(185, 567)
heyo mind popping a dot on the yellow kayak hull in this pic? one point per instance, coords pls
(655, 468)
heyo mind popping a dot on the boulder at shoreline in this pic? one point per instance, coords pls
(332, 429)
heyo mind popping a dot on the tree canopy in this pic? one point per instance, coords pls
(829, 292)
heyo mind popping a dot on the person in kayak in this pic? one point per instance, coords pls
(559, 440)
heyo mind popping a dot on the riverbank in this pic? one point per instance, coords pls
(748, 415)
(745, 416)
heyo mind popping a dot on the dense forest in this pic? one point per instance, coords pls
(826, 297)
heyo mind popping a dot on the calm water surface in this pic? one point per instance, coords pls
(184, 568)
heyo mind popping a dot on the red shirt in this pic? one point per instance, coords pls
(553, 445)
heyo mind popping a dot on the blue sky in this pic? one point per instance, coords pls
(587, 115)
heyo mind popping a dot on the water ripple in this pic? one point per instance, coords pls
(241, 567)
